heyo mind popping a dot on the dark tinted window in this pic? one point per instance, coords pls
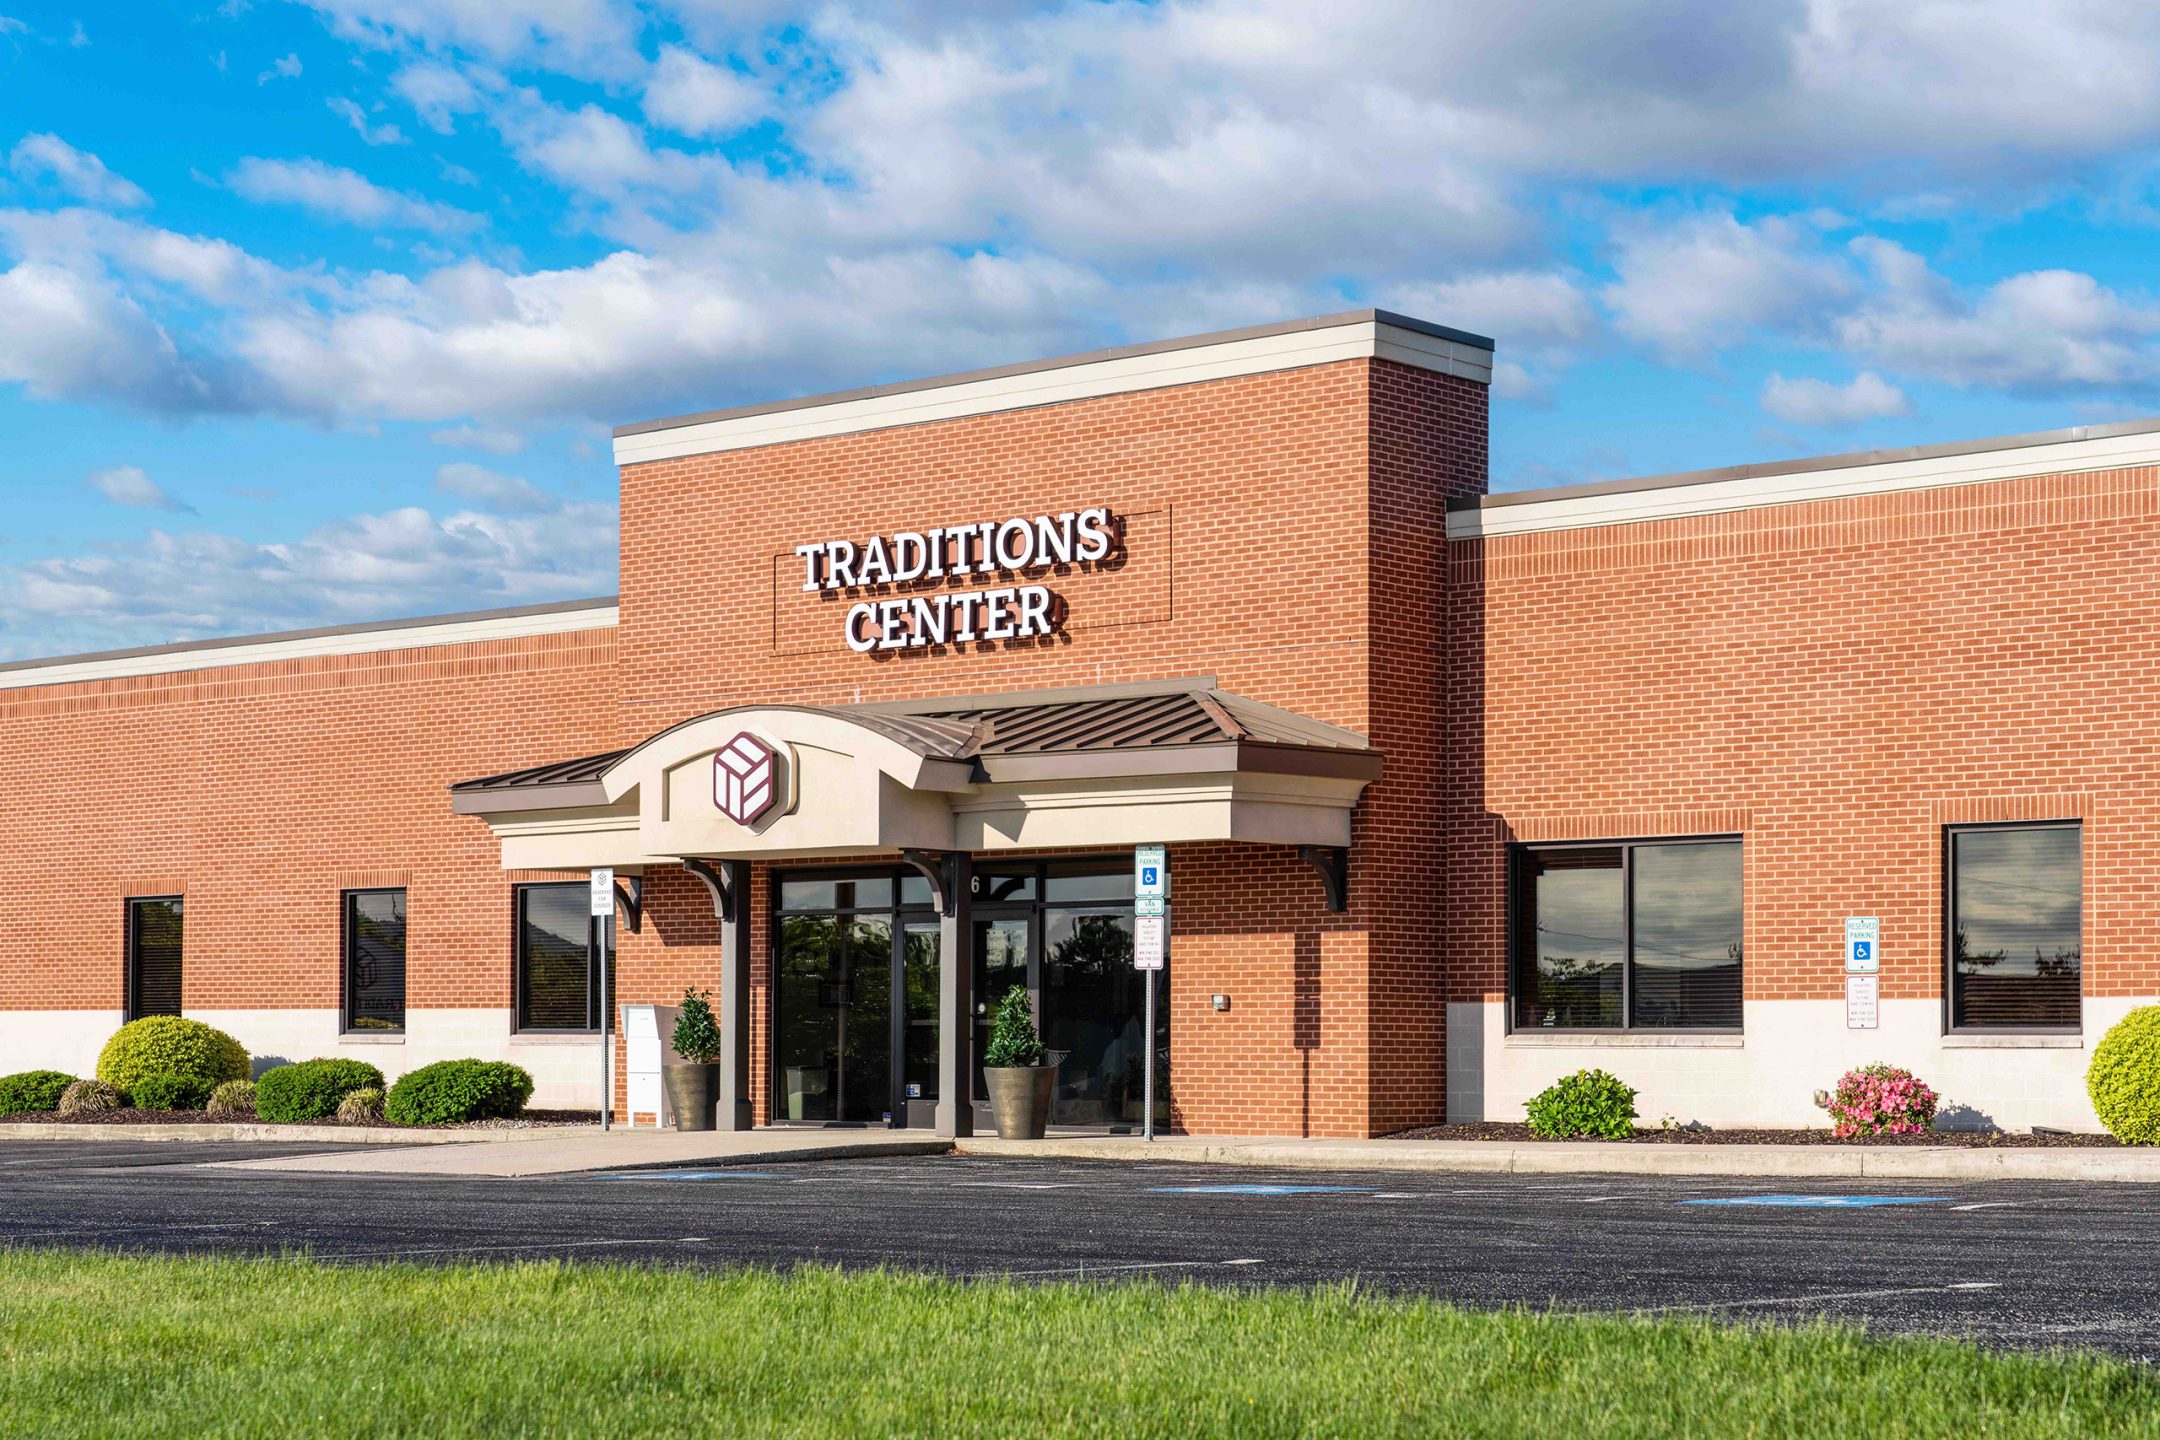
(1686, 936)
(154, 946)
(1643, 936)
(557, 987)
(1570, 938)
(874, 893)
(2016, 928)
(375, 960)
(1066, 886)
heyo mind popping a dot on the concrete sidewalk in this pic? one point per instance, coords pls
(568, 1151)
(1881, 1162)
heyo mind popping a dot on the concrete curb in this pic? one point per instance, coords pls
(306, 1134)
(867, 1150)
(1496, 1158)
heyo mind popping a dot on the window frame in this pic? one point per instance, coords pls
(1519, 849)
(518, 1026)
(346, 987)
(1949, 927)
(131, 948)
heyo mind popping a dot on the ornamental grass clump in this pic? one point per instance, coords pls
(362, 1107)
(91, 1097)
(1588, 1103)
(233, 1100)
(1881, 1100)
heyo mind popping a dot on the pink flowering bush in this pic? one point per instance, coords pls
(1881, 1100)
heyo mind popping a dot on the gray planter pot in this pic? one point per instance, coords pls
(1020, 1100)
(693, 1091)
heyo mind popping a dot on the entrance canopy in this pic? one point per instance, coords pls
(1105, 767)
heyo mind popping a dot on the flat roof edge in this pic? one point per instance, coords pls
(1771, 469)
(326, 632)
(1091, 357)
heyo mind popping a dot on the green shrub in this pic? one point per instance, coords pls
(91, 1097)
(293, 1094)
(1014, 1044)
(2124, 1079)
(32, 1091)
(172, 1092)
(452, 1091)
(233, 1100)
(1589, 1102)
(697, 1034)
(169, 1045)
(361, 1107)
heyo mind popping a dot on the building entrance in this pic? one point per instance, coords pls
(855, 993)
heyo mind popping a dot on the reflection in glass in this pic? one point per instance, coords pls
(2016, 928)
(833, 1018)
(919, 1025)
(1001, 962)
(1687, 936)
(154, 949)
(1093, 1008)
(557, 988)
(375, 960)
(1571, 938)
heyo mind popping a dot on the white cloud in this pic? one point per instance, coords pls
(693, 96)
(2039, 332)
(492, 438)
(593, 37)
(350, 112)
(1867, 396)
(401, 562)
(128, 485)
(285, 67)
(76, 336)
(341, 194)
(46, 157)
(1704, 283)
(438, 94)
(492, 488)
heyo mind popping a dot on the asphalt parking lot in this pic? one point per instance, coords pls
(2005, 1263)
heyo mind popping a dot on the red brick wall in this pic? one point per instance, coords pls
(1305, 513)
(260, 792)
(1835, 680)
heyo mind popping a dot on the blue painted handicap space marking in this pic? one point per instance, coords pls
(1259, 1189)
(1823, 1202)
(692, 1175)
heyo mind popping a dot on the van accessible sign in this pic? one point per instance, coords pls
(987, 548)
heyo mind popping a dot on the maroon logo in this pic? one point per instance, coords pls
(743, 778)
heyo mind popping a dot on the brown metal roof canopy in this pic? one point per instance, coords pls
(1030, 735)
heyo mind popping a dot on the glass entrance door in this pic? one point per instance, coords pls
(917, 1020)
(1002, 948)
(833, 1018)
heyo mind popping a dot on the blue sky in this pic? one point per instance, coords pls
(317, 312)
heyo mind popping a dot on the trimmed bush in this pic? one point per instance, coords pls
(2124, 1078)
(1881, 1100)
(172, 1092)
(91, 1097)
(361, 1107)
(233, 1100)
(450, 1092)
(293, 1094)
(33, 1091)
(1587, 1103)
(169, 1045)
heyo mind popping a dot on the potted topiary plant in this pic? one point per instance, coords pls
(693, 1087)
(1017, 1071)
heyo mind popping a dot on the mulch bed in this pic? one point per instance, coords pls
(530, 1120)
(1964, 1139)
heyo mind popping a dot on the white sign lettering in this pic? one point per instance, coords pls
(950, 617)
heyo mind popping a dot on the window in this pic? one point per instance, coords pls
(153, 956)
(2016, 925)
(1632, 936)
(558, 986)
(375, 961)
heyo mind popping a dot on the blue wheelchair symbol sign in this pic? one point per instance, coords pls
(1862, 949)
(1147, 875)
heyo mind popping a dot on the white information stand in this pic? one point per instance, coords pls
(646, 1052)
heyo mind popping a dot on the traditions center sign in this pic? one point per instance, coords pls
(1009, 612)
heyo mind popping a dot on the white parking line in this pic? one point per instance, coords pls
(1833, 1295)
(1015, 1185)
(1988, 1205)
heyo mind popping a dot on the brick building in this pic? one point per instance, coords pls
(1461, 792)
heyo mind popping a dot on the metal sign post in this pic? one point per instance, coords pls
(1151, 926)
(602, 910)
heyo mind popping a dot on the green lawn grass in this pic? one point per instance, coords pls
(98, 1344)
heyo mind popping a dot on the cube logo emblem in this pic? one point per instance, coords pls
(745, 779)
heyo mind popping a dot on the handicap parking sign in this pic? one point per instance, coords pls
(1863, 945)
